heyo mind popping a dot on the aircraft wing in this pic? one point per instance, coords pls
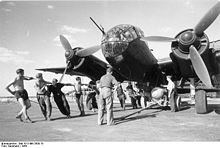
(92, 67)
(60, 70)
(166, 65)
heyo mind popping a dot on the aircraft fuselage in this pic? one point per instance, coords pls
(129, 55)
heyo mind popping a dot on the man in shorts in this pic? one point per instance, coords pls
(21, 94)
(79, 96)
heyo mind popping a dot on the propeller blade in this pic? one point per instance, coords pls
(88, 51)
(158, 39)
(61, 78)
(208, 19)
(199, 66)
(65, 43)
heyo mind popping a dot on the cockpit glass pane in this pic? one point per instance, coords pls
(123, 32)
(133, 33)
(113, 48)
(139, 32)
(128, 35)
(115, 34)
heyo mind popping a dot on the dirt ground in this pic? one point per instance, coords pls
(149, 125)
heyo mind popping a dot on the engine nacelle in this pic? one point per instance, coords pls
(187, 38)
(181, 49)
(216, 61)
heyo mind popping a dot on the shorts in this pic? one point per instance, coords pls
(21, 94)
(122, 97)
(41, 96)
(78, 96)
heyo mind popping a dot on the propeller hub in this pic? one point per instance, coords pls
(187, 38)
(69, 54)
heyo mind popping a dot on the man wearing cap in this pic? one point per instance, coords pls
(43, 99)
(105, 98)
(21, 94)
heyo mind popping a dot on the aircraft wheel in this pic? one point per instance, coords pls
(175, 101)
(201, 102)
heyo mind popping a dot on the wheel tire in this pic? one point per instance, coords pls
(201, 102)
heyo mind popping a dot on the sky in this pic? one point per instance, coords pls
(29, 30)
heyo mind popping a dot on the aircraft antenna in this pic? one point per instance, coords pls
(100, 28)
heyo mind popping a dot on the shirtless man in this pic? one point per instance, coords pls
(79, 96)
(21, 94)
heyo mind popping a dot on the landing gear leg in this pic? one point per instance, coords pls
(175, 101)
(192, 90)
(201, 102)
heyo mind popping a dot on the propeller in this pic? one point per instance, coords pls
(203, 24)
(61, 78)
(80, 53)
(208, 19)
(74, 56)
(190, 40)
(159, 39)
(65, 43)
(199, 66)
(88, 51)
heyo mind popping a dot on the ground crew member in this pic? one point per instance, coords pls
(105, 98)
(79, 96)
(131, 94)
(121, 96)
(59, 96)
(21, 94)
(42, 98)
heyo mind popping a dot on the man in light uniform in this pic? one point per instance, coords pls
(43, 99)
(105, 98)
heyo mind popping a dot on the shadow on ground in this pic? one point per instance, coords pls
(214, 108)
(121, 120)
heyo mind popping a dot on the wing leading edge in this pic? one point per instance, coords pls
(92, 68)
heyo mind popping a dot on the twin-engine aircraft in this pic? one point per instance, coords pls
(126, 50)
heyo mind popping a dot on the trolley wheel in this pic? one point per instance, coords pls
(201, 102)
